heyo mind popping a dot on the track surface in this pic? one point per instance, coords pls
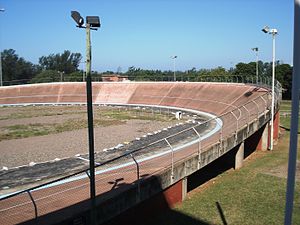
(215, 98)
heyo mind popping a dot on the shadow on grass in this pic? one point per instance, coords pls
(287, 129)
(172, 217)
(220, 210)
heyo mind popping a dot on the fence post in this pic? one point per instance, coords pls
(172, 160)
(221, 137)
(138, 178)
(265, 105)
(248, 118)
(257, 107)
(199, 148)
(237, 124)
(34, 205)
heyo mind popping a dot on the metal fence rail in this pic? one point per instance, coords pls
(265, 80)
(132, 167)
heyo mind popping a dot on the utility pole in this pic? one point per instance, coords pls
(174, 66)
(256, 53)
(290, 189)
(1, 75)
(273, 32)
(92, 22)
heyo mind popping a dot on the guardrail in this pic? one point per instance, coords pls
(132, 167)
(203, 78)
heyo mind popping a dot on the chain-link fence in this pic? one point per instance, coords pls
(261, 80)
(135, 165)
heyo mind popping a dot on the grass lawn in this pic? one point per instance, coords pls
(246, 196)
(285, 105)
(285, 120)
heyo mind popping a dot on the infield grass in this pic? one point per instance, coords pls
(102, 117)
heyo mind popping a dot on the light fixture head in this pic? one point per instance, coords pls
(77, 18)
(266, 29)
(255, 49)
(94, 21)
(273, 31)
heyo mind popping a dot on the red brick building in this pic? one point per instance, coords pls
(114, 78)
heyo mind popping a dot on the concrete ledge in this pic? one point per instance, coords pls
(112, 204)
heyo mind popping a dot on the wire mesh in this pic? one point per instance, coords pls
(145, 158)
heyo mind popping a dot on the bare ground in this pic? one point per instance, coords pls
(281, 171)
(19, 152)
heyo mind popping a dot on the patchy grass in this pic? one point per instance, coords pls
(37, 129)
(285, 120)
(285, 105)
(247, 196)
(23, 131)
(102, 117)
(38, 111)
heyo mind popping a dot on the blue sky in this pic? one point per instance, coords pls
(145, 33)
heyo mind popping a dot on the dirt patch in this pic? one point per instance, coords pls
(66, 144)
(281, 171)
(18, 152)
(42, 120)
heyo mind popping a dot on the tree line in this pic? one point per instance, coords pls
(65, 67)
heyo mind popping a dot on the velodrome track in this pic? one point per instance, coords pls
(235, 104)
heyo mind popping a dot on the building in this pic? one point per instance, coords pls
(114, 78)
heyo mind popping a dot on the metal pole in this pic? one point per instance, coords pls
(257, 66)
(174, 68)
(1, 79)
(138, 177)
(273, 92)
(90, 123)
(294, 120)
(83, 71)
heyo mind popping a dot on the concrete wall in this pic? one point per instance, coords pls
(208, 97)
(156, 193)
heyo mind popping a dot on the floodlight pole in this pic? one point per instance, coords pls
(1, 79)
(273, 92)
(256, 52)
(89, 96)
(174, 64)
(290, 189)
(1, 76)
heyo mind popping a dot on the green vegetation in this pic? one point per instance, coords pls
(32, 112)
(285, 105)
(248, 196)
(37, 129)
(65, 67)
(102, 117)
(285, 114)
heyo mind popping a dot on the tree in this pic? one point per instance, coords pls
(245, 69)
(66, 62)
(15, 67)
(283, 73)
(47, 76)
(75, 76)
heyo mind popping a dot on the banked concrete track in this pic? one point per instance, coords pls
(242, 110)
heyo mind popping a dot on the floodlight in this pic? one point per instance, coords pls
(94, 21)
(255, 49)
(77, 18)
(266, 29)
(273, 31)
